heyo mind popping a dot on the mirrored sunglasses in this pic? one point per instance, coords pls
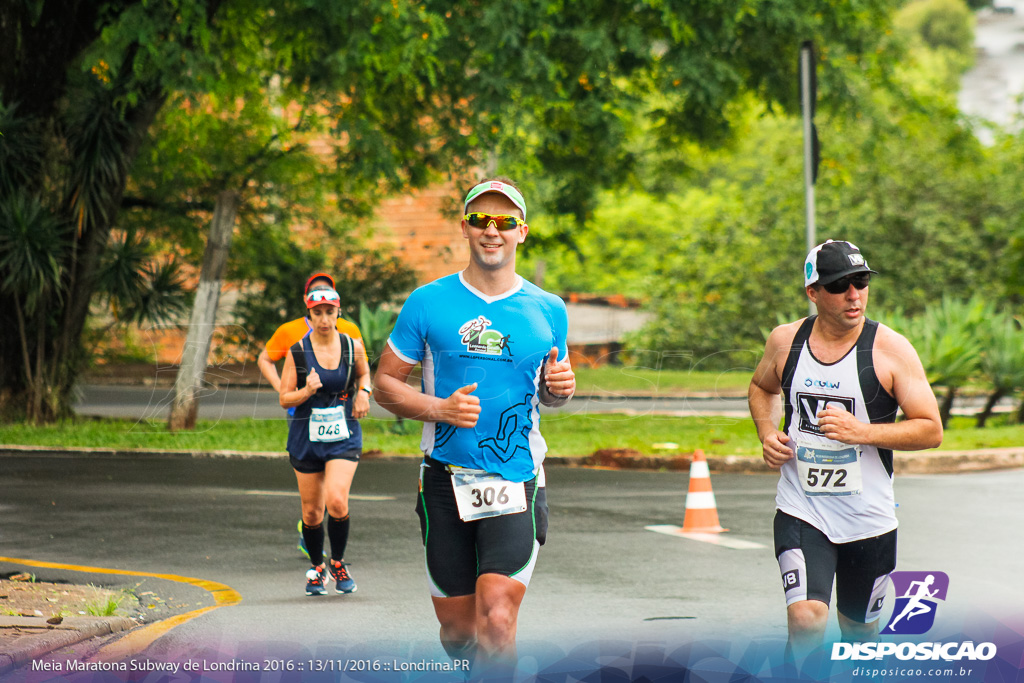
(859, 281)
(322, 296)
(501, 222)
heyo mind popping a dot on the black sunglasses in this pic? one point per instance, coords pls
(859, 281)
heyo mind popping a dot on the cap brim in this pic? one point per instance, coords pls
(844, 273)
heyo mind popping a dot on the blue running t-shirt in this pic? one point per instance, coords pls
(462, 336)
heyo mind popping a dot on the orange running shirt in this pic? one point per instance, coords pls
(295, 330)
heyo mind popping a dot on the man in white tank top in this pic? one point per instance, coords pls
(838, 379)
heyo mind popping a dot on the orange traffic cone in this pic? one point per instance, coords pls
(701, 512)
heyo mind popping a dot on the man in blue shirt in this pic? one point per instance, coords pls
(489, 344)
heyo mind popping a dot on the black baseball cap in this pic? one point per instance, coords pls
(832, 260)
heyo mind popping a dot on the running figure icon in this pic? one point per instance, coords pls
(917, 592)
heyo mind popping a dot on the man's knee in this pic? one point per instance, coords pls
(499, 616)
(498, 600)
(856, 631)
(807, 616)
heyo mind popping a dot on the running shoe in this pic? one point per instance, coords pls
(316, 580)
(302, 542)
(343, 582)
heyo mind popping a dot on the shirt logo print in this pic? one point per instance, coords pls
(478, 338)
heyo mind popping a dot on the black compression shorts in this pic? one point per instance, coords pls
(457, 552)
(809, 562)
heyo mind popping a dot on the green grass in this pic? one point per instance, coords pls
(611, 379)
(105, 607)
(566, 435)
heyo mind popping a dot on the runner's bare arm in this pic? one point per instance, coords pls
(394, 394)
(361, 401)
(764, 396)
(899, 369)
(269, 370)
(289, 395)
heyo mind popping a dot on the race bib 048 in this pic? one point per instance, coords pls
(328, 424)
(826, 471)
(480, 495)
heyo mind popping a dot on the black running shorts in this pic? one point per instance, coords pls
(312, 465)
(809, 562)
(457, 552)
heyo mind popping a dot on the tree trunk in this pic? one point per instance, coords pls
(204, 312)
(947, 406)
(986, 412)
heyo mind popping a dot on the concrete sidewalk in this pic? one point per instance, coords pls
(27, 639)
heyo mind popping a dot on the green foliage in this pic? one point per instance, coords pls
(32, 244)
(948, 339)
(272, 259)
(193, 97)
(717, 244)
(939, 24)
(105, 607)
(138, 288)
(1002, 360)
(375, 324)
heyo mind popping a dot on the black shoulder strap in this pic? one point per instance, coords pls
(789, 369)
(802, 335)
(348, 359)
(299, 356)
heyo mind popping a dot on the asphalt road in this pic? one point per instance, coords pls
(601, 578)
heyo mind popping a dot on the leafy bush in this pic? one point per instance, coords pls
(278, 267)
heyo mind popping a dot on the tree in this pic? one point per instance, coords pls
(406, 90)
(716, 241)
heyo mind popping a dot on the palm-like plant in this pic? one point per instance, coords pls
(375, 324)
(32, 244)
(1002, 361)
(948, 338)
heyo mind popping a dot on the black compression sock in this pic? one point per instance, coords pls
(314, 538)
(337, 530)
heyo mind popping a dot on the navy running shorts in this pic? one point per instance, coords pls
(458, 552)
(809, 562)
(313, 464)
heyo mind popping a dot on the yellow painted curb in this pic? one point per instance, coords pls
(138, 640)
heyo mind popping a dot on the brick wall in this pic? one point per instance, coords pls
(423, 229)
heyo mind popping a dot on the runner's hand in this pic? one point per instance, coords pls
(775, 451)
(361, 404)
(841, 425)
(313, 382)
(559, 378)
(461, 409)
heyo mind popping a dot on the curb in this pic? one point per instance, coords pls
(71, 631)
(927, 462)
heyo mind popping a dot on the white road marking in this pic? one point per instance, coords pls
(295, 494)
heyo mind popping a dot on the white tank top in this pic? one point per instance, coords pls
(844, 491)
